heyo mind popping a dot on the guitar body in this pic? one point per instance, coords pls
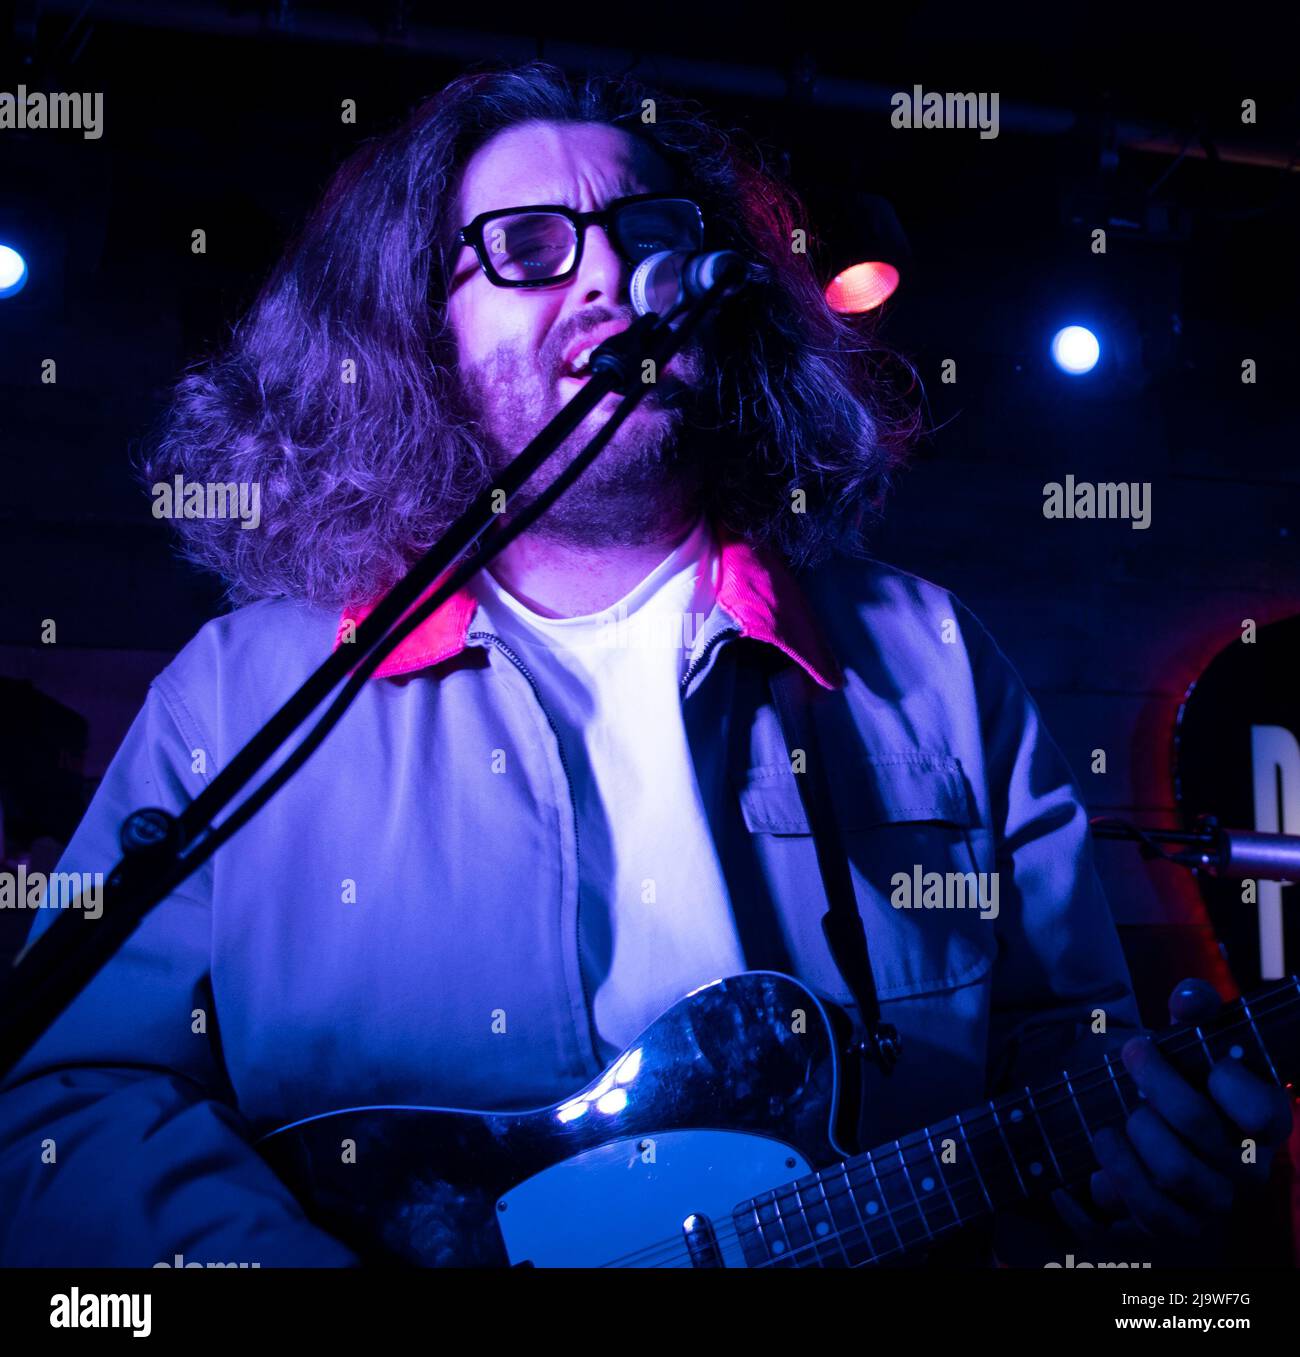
(723, 1137)
(734, 1091)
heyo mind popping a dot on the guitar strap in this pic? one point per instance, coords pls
(841, 924)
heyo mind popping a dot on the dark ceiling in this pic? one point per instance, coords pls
(226, 116)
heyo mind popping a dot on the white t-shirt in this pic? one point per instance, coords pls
(654, 917)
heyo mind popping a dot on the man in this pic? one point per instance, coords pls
(526, 839)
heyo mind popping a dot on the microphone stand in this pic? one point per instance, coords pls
(1234, 853)
(161, 849)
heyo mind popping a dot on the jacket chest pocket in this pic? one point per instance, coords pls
(919, 860)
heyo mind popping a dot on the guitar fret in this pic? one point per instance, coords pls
(1042, 1131)
(802, 1235)
(901, 1197)
(854, 1233)
(835, 1233)
(910, 1192)
(1283, 1022)
(960, 1173)
(1097, 1091)
(786, 1244)
(773, 1249)
(927, 1182)
(749, 1231)
(884, 1201)
(816, 1239)
(857, 1210)
(1119, 1093)
(955, 1167)
(793, 1222)
(1209, 1059)
(1006, 1145)
(1071, 1153)
(974, 1162)
(943, 1177)
(1245, 1008)
(911, 1187)
(1083, 1121)
(877, 1220)
(819, 1229)
(753, 1230)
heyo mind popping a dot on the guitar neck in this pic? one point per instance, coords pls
(912, 1192)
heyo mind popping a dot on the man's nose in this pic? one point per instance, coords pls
(602, 274)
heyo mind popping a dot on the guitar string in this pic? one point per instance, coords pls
(1101, 1077)
(906, 1212)
(834, 1248)
(895, 1214)
(896, 1218)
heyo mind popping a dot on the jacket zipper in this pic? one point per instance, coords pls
(699, 663)
(690, 673)
(573, 806)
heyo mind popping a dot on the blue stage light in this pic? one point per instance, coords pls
(13, 271)
(1075, 350)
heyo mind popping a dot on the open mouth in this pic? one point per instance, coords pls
(579, 367)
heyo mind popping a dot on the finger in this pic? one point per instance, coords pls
(1105, 1195)
(1076, 1217)
(1259, 1109)
(1156, 1213)
(1191, 1114)
(1193, 1001)
(1174, 1168)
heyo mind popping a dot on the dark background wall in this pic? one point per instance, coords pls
(226, 117)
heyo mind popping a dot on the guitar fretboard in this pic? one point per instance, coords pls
(910, 1193)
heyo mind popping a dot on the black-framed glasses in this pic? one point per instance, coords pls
(541, 244)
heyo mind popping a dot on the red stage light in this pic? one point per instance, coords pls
(861, 287)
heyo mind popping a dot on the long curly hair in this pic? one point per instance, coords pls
(358, 478)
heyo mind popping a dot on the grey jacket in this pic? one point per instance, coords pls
(400, 925)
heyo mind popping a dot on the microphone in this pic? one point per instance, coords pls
(1243, 853)
(663, 281)
(1211, 848)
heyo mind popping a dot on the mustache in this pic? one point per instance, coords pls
(552, 357)
(508, 375)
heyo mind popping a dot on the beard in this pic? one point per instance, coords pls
(645, 483)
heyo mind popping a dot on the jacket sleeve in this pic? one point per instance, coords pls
(1062, 995)
(120, 1144)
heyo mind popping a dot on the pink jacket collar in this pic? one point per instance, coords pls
(754, 587)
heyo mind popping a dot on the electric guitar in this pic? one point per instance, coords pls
(715, 1140)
